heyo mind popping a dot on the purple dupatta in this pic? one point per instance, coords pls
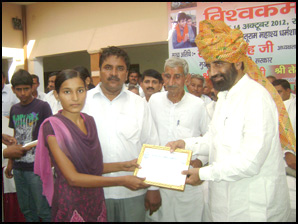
(84, 151)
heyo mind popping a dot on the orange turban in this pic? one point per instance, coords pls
(217, 41)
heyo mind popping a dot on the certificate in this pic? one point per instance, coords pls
(162, 168)
(31, 144)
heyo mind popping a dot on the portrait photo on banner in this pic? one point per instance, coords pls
(183, 29)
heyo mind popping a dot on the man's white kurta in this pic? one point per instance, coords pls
(206, 99)
(187, 118)
(8, 99)
(246, 171)
(290, 105)
(53, 102)
(41, 95)
(123, 125)
(210, 107)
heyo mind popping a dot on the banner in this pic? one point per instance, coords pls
(268, 27)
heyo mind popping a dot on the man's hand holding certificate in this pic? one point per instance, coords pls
(193, 177)
(162, 168)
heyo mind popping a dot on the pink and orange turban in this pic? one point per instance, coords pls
(217, 41)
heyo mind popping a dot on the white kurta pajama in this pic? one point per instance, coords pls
(246, 171)
(187, 118)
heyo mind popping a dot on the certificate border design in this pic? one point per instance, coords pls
(175, 187)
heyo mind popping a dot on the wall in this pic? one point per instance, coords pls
(65, 61)
(60, 27)
(10, 37)
(12, 40)
(149, 57)
(5, 67)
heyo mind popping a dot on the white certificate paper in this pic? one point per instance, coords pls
(31, 144)
(162, 168)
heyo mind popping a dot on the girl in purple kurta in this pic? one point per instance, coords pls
(69, 142)
(71, 203)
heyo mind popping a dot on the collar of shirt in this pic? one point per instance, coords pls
(127, 84)
(292, 96)
(50, 93)
(98, 92)
(182, 99)
(288, 102)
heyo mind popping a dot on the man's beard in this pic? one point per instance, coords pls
(228, 79)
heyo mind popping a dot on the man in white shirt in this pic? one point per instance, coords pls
(151, 82)
(51, 81)
(178, 114)
(246, 173)
(196, 86)
(8, 97)
(124, 124)
(133, 79)
(284, 89)
(51, 97)
(37, 94)
(289, 99)
(53, 101)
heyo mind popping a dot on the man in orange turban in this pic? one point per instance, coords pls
(246, 170)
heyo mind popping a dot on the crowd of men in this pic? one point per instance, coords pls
(237, 171)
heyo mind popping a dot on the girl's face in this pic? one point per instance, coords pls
(72, 95)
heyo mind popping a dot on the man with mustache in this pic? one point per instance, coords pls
(246, 171)
(133, 79)
(124, 123)
(283, 87)
(151, 82)
(178, 114)
(51, 97)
